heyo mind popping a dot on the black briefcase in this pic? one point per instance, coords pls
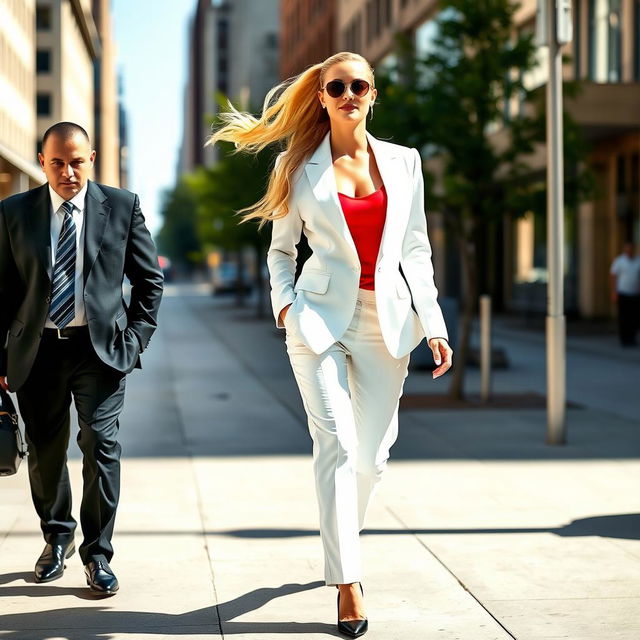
(12, 446)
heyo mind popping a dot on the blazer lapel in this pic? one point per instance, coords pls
(39, 220)
(394, 176)
(96, 216)
(319, 170)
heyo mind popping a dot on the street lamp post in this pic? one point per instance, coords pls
(555, 15)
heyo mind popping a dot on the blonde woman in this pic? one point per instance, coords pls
(350, 319)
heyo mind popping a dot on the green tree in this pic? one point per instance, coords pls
(178, 237)
(447, 104)
(235, 181)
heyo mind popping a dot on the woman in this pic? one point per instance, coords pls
(349, 321)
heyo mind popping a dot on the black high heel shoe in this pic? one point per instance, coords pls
(352, 628)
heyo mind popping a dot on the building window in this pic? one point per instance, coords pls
(43, 61)
(223, 34)
(387, 11)
(605, 40)
(353, 35)
(43, 18)
(43, 104)
(375, 17)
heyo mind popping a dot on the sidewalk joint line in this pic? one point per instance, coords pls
(451, 573)
(199, 500)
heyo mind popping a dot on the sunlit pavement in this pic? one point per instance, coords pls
(480, 531)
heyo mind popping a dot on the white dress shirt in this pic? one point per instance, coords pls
(627, 272)
(57, 218)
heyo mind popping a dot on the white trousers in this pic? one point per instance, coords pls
(350, 393)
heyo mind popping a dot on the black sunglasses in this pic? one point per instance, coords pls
(336, 88)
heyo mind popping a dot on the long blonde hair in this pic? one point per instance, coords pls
(291, 114)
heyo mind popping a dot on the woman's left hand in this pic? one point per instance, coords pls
(442, 356)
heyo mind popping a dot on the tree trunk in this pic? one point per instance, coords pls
(240, 286)
(468, 307)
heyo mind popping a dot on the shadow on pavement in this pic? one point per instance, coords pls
(27, 576)
(99, 623)
(625, 526)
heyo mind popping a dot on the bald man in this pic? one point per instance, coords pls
(66, 333)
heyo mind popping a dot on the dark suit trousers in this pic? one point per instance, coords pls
(628, 318)
(64, 369)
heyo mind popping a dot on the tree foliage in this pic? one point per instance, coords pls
(178, 238)
(450, 104)
(220, 191)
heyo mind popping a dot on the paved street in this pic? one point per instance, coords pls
(480, 531)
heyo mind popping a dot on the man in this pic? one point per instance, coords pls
(625, 287)
(65, 248)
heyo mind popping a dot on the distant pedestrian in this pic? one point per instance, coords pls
(349, 320)
(625, 291)
(66, 331)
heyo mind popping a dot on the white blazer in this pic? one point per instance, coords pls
(324, 297)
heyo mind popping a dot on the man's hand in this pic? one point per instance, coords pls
(3, 383)
(442, 356)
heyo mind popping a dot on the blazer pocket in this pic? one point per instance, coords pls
(402, 289)
(111, 244)
(314, 281)
(16, 328)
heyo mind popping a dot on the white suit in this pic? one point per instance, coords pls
(349, 347)
(325, 294)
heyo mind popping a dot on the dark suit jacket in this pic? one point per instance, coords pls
(116, 243)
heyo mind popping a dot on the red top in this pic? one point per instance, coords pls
(365, 217)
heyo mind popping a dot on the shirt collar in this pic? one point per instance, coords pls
(77, 201)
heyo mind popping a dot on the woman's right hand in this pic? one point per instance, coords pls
(283, 313)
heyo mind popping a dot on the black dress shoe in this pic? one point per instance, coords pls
(101, 578)
(50, 565)
(352, 628)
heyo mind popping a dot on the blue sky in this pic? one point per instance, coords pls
(151, 44)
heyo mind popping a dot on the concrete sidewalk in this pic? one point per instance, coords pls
(480, 531)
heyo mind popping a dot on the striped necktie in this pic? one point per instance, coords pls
(63, 298)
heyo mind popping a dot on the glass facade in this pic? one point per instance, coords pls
(605, 40)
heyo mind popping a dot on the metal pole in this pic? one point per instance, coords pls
(555, 325)
(485, 348)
